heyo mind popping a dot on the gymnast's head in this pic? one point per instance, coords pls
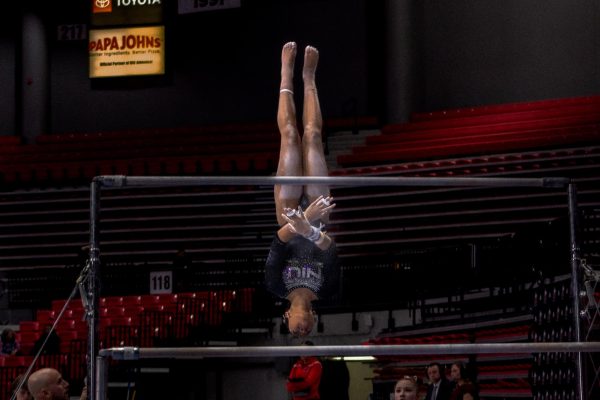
(300, 321)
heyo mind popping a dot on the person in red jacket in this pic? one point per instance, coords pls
(305, 376)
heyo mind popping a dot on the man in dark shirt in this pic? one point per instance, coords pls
(439, 387)
(52, 345)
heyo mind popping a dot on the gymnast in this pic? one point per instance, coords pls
(302, 263)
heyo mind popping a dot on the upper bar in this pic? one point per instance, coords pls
(123, 180)
(134, 353)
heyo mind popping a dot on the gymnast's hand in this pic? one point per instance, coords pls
(297, 221)
(319, 209)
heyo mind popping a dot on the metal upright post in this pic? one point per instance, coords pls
(101, 378)
(575, 257)
(92, 313)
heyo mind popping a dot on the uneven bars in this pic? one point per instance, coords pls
(135, 353)
(99, 370)
(123, 180)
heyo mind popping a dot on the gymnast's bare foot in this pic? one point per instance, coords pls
(288, 57)
(311, 59)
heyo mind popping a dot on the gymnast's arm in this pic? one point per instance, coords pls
(298, 224)
(286, 233)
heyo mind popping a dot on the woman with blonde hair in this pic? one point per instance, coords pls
(406, 388)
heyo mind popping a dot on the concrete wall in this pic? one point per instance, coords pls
(485, 51)
(8, 100)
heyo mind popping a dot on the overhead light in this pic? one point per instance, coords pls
(355, 358)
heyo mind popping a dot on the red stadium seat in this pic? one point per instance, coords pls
(26, 326)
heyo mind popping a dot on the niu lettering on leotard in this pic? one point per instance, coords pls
(300, 263)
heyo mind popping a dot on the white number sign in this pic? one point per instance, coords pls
(161, 282)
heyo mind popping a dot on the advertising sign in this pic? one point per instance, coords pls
(127, 51)
(126, 12)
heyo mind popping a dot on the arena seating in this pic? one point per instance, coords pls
(10, 144)
(144, 321)
(75, 158)
(556, 138)
(504, 108)
(497, 375)
(513, 127)
(209, 306)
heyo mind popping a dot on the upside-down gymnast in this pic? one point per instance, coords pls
(302, 263)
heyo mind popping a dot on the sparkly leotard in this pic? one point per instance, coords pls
(300, 263)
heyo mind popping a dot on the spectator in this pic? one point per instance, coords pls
(470, 395)
(23, 393)
(84, 391)
(406, 388)
(48, 384)
(439, 387)
(335, 380)
(182, 260)
(468, 391)
(10, 345)
(305, 377)
(462, 384)
(52, 346)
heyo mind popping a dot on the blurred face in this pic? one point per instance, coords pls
(23, 394)
(300, 323)
(468, 396)
(405, 390)
(455, 372)
(57, 387)
(433, 373)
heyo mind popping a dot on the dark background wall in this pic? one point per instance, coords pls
(7, 77)
(486, 51)
(224, 66)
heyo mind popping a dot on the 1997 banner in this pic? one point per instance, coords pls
(194, 6)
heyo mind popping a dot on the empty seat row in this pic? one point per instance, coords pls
(469, 133)
(480, 164)
(146, 321)
(228, 131)
(509, 119)
(370, 155)
(509, 334)
(127, 150)
(547, 104)
(459, 337)
(85, 170)
(205, 307)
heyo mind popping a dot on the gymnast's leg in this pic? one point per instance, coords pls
(290, 151)
(312, 142)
